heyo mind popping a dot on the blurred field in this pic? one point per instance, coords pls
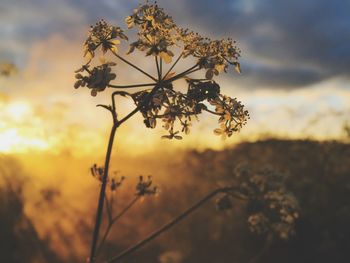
(47, 205)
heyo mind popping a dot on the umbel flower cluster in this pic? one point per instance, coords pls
(271, 207)
(144, 187)
(159, 102)
(7, 69)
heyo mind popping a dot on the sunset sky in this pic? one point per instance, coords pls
(294, 82)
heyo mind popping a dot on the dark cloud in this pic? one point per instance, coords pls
(25, 22)
(256, 76)
(284, 43)
(308, 40)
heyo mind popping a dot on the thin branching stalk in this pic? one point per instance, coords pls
(172, 66)
(158, 67)
(169, 225)
(131, 86)
(108, 209)
(99, 213)
(161, 67)
(184, 73)
(160, 97)
(134, 66)
(112, 221)
(132, 113)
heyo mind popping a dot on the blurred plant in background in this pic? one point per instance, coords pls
(7, 69)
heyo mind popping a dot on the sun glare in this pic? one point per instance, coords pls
(15, 134)
(18, 110)
(12, 141)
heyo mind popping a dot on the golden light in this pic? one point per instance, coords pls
(17, 132)
(12, 141)
(18, 110)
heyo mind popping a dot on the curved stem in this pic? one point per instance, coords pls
(133, 112)
(167, 226)
(101, 199)
(212, 112)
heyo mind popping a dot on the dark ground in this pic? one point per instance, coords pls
(319, 176)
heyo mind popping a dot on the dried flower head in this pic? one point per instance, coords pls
(144, 187)
(213, 55)
(97, 79)
(224, 202)
(271, 207)
(97, 172)
(7, 69)
(156, 31)
(158, 36)
(115, 183)
(103, 35)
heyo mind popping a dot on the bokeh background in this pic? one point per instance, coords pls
(294, 82)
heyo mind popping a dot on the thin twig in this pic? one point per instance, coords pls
(167, 226)
(131, 86)
(158, 68)
(212, 112)
(146, 101)
(172, 66)
(132, 65)
(161, 67)
(111, 110)
(109, 212)
(114, 220)
(184, 73)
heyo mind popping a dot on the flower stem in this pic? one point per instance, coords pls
(174, 64)
(112, 221)
(146, 101)
(131, 86)
(158, 67)
(101, 199)
(167, 226)
(132, 65)
(182, 74)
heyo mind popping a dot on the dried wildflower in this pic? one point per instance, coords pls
(270, 206)
(97, 79)
(156, 31)
(144, 187)
(158, 35)
(158, 102)
(115, 184)
(172, 135)
(7, 69)
(103, 35)
(97, 172)
(232, 115)
(224, 202)
(186, 127)
(213, 55)
(258, 223)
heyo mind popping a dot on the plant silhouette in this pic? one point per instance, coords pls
(159, 38)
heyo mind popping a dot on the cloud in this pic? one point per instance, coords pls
(25, 22)
(50, 45)
(285, 43)
(307, 40)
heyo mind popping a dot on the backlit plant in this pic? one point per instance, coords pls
(160, 39)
